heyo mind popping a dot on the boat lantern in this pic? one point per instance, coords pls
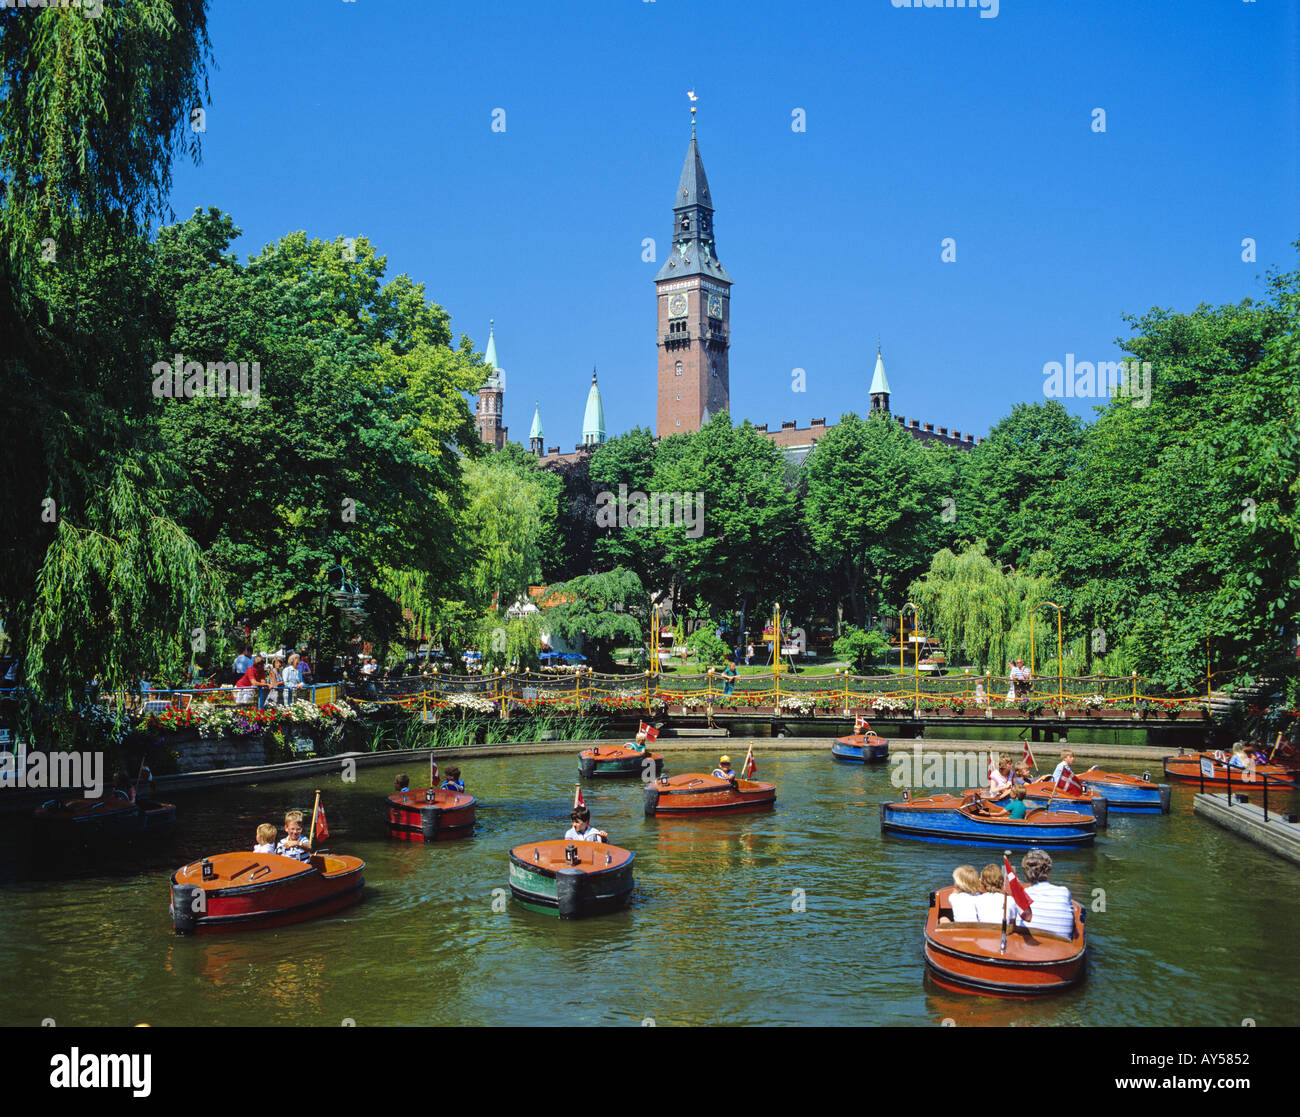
(571, 854)
(907, 794)
(429, 795)
(537, 855)
(208, 871)
(1146, 777)
(609, 858)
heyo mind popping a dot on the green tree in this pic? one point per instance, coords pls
(861, 648)
(605, 611)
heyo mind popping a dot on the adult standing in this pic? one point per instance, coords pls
(1021, 680)
(292, 679)
(243, 661)
(304, 670)
(255, 678)
(749, 653)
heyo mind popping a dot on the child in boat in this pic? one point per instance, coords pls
(1015, 803)
(639, 743)
(1000, 778)
(966, 886)
(1022, 774)
(988, 904)
(293, 844)
(1067, 761)
(453, 782)
(402, 783)
(582, 830)
(723, 770)
(265, 839)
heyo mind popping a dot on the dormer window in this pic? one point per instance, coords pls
(686, 222)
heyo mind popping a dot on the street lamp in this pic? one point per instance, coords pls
(1060, 669)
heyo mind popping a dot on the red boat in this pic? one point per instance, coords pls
(694, 794)
(248, 891)
(968, 957)
(1186, 768)
(67, 822)
(430, 815)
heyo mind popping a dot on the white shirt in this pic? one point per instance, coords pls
(963, 907)
(290, 677)
(1052, 909)
(264, 847)
(588, 835)
(988, 907)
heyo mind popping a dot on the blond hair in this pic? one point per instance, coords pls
(265, 833)
(292, 816)
(966, 879)
(991, 878)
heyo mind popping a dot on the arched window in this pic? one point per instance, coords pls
(679, 368)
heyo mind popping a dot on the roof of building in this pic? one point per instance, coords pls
(694, 254)
(593, 422)
(879, 385)
(536, 430)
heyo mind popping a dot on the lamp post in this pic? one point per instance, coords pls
(1060, 669)
(915, 610)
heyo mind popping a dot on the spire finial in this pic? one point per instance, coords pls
(691, 94)
(593, 374)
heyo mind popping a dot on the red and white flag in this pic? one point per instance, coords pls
(651, 733)
(993, 766)
(1014, 887)
(1069, 782)
(860, 725)
(750, 766)
(1027, 756)
(578, 800)
(319, 830)
(433, 771)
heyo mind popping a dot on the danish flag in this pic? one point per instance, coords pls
(651, 733)
(1027, 755)
(578, 801)
(750, 766)
(1069, 783)
(860, 725)
(318, 828)
(1014, 887)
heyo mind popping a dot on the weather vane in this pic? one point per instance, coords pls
(691, 94)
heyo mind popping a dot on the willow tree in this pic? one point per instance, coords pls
(91, 113)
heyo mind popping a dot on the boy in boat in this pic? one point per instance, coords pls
(639, 743)
(293, 844)
(1051, 907)
(401, 783)
(453, 782)
(265, 839)
(1015, 803)
(582, 830)
(723, 770)
(1067, 761)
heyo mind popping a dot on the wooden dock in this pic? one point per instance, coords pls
(1276, 834)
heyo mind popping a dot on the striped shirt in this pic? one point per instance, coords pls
(1052, 910)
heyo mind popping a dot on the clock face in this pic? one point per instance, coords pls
(715, 306)
(677, 306)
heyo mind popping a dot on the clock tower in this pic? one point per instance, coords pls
(693, 292)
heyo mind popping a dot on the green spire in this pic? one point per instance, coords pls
(536, 430)
(490, 357)
(879, 385)
(593, 422)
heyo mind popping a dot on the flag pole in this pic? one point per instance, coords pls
(315, 811)
(1006, 856)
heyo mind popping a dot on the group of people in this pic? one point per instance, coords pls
(284, 679)
(451, 782)
(293, 844)
(980, 897)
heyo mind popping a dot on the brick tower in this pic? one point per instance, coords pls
(693, 292)
(488, 410)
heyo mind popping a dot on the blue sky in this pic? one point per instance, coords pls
(374, 117)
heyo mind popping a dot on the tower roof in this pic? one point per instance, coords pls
(693, 189)
(493, 380)
(593, 422)
(879, 385)
(535, 431)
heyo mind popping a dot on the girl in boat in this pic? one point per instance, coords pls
(966, 887)
(582, 830)
(265, 839)
(989, 903)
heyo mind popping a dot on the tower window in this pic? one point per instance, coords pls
(679, 368)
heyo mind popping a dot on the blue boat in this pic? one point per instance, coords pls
(948, 818)
(1128, 794)
(1045, 794)
(858, 748)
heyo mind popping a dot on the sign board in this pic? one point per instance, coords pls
(1207, 767)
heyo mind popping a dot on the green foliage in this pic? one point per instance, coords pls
(707, 649)
(603, 611)
(861, 648)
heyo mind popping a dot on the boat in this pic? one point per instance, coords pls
(1186, 768)
(69, 822)
(860, 748)
(1044, 793)
(571, 879)
(968, 957)
(430, 815)
(1127, 794)
(694, 795)
(248, 891)
(969, 821)
(619, 760)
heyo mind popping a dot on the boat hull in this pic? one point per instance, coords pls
(1187, 769)
(860, 750)
(413, 817)
(1127, 794)
(967, 957)
(255, 891)
(947, 822)
(619, 763)
(697, 796)
(88, 822)
(1043, 794)
(542, 880)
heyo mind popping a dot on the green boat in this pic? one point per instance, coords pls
(571, 879)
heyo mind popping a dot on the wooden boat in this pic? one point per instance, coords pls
(571, 879)
(619, 760)
(968, 957)
(1186, 768)
(858, 748)
(66, 822)
(247, 891)
(694, 795)
(1128, 794)
(1044, 793)
(430, 815)
(949, 818)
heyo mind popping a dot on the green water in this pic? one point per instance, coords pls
(1195, 928)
